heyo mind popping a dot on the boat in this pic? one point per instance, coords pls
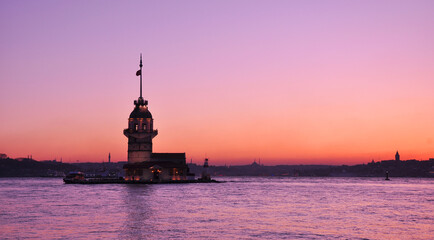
(74, 177)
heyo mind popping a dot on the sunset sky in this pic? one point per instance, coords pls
(289, 82)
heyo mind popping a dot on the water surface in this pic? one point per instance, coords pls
(240, 208)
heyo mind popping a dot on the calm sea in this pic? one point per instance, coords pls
(240, 208)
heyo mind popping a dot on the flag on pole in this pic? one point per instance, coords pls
(139, 72)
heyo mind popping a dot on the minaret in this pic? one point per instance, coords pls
(140, 131)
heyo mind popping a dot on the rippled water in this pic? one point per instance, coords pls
(241, 208)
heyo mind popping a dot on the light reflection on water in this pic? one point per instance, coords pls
(241, 208)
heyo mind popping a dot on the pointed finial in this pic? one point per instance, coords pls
(141, 65)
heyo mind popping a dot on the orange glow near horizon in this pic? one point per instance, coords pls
(287, 83)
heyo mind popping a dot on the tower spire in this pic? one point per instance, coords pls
(141, 65)
(140, 101)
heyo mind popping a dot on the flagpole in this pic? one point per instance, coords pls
(141, 65)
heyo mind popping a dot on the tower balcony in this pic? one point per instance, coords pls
(140, 133)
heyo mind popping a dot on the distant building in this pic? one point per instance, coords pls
(143, 164)
(205, 172)
(397, 158)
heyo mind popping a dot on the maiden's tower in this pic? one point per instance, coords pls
(143, 164)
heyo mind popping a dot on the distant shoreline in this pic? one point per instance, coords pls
(409, 168)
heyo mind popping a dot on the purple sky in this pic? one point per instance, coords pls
(284, 81)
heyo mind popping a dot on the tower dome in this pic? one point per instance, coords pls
(140, 111)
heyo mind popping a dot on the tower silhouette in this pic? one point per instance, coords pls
(140, 131)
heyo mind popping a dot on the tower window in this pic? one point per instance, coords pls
(144, 126)
(136, 127)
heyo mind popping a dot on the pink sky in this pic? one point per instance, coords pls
(289, 82)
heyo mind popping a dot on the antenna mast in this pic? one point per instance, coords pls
(141, 65)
